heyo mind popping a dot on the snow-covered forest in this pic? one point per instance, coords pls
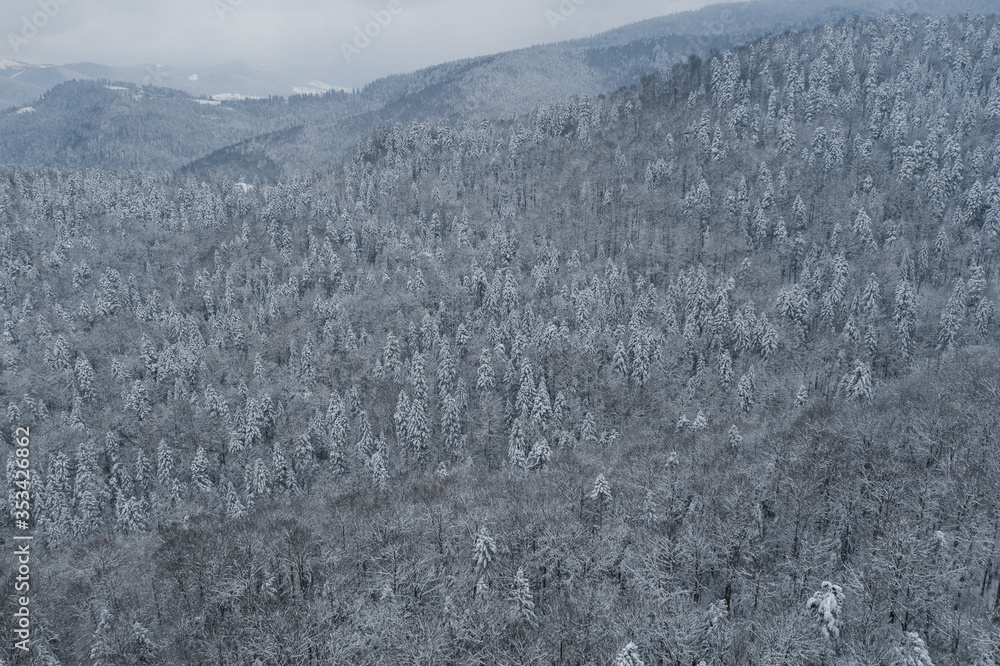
(703, 371)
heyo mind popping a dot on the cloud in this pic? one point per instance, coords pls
(308, 34)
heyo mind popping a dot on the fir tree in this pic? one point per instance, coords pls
(84, 374)
(200, 479)
(380, 474)
(904, 318)
(912, 652)
(484, 551)
(521, 596)
(744, 394)
(451, 426)
(802, 396)
(628, 656)
(234, 507)
(485, 376)
(735, 439)
(601, 493)
(826, 604)
(588, 430)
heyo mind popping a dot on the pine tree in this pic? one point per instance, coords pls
(725, 369)
(129, 515)
(84, 374)
(307, 369)
(143, 474)
(952, 317)
(620, 361)
(380, 474)
(137, 400)
(521, 596)
(802, 397)
(484, 551)
(87, 489)
(826, 603)
(517, 443)
(735, 439)
(912, 651)
(541, 409)
(391, 358)
(281, 471)
(744, 394)
(256, 482)
(628, 656)
(601, 493)
(447, 374)
(76, 414)
(539, 455)
(904, 318)
(451, 426)
(485, 376)
(984, 317)
(401, 418)
(859, 383)
(103, 651)
(366, 439)
(526, 391)
(588, 430)
(234, 507)
(141, 647)
(200, 479)
(418, 427)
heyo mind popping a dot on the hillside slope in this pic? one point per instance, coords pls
(701, 372)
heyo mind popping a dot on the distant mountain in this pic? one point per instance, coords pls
(252, 139)
(514, 82)
(747, 21)
(21, 83)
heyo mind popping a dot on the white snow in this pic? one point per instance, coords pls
(317, 88)
(116, 87)
(27, 109)
(244, 187)
(210, 102)
(231, 97)
(11, 64)
(193, 77)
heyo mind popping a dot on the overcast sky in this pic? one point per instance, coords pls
(308, 34)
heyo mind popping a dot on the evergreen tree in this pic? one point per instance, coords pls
(200, 480)
(912, 652)
(84, 374)
(521, 596)
(451, 426)
(103, 651)
(735, 439)
(628, 656)
(601, 493)
(484, 551)
(380, 474)
(485, 376)
(802, 396)
(904, 318)
(744, 394)
(588, 430)
(826, 604)
(234, 507)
